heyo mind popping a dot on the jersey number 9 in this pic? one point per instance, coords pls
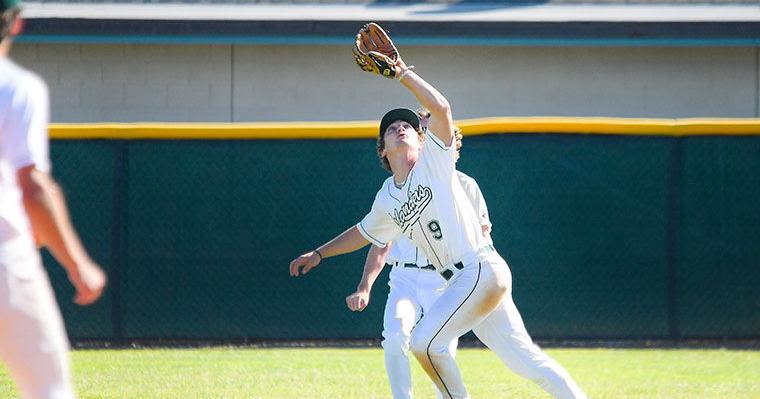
(435, 228)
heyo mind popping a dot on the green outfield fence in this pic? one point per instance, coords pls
(613, 228)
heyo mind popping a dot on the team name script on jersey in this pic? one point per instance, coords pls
(411, 209)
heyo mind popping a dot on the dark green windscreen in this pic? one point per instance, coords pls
(606, 236)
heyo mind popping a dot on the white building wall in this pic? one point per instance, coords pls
(223, 83)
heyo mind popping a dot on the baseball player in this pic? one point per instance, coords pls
(33, 342)
(414, 287)
(424, 202)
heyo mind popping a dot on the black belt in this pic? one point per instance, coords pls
(447, 274)
(413, 265)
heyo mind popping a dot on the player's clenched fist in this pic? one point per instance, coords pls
(358, 301)
(304, 263)
(89, 281)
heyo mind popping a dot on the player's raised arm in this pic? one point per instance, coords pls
(441, 122)
(375, 52)
(348, 241)
(372, 267)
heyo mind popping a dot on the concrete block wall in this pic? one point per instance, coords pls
(234, 83)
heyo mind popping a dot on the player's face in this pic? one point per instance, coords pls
(400, 134)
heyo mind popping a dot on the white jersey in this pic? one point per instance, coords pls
(431, 209)
(404, 251)
(24, 114)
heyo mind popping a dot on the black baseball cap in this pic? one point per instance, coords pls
(399, 114)
(6, 5)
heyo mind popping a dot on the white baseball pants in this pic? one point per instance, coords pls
(413, 291)
(33, 342)
(479, 298)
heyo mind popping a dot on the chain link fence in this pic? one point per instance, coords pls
(608, 237)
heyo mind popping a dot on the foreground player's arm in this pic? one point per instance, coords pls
(348, 241)
(51, 226)
(372, 267)
(441, 123)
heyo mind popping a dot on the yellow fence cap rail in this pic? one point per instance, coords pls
(212, 131)
(612, 126)
(368, 129)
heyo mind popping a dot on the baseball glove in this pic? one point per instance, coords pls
(375, 52)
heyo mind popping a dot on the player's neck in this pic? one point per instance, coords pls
(399, 180)
(401, 165)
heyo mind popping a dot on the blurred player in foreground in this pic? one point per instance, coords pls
(33, 342)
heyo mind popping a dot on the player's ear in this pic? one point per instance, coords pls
(17, 27)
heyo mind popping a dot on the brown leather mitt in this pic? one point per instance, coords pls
(375, 52)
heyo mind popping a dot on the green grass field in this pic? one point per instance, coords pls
(359, 373)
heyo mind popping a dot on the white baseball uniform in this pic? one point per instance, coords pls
(33, 341)
(415, 286)
(432, 210)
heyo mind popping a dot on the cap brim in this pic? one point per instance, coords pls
(399, 114)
